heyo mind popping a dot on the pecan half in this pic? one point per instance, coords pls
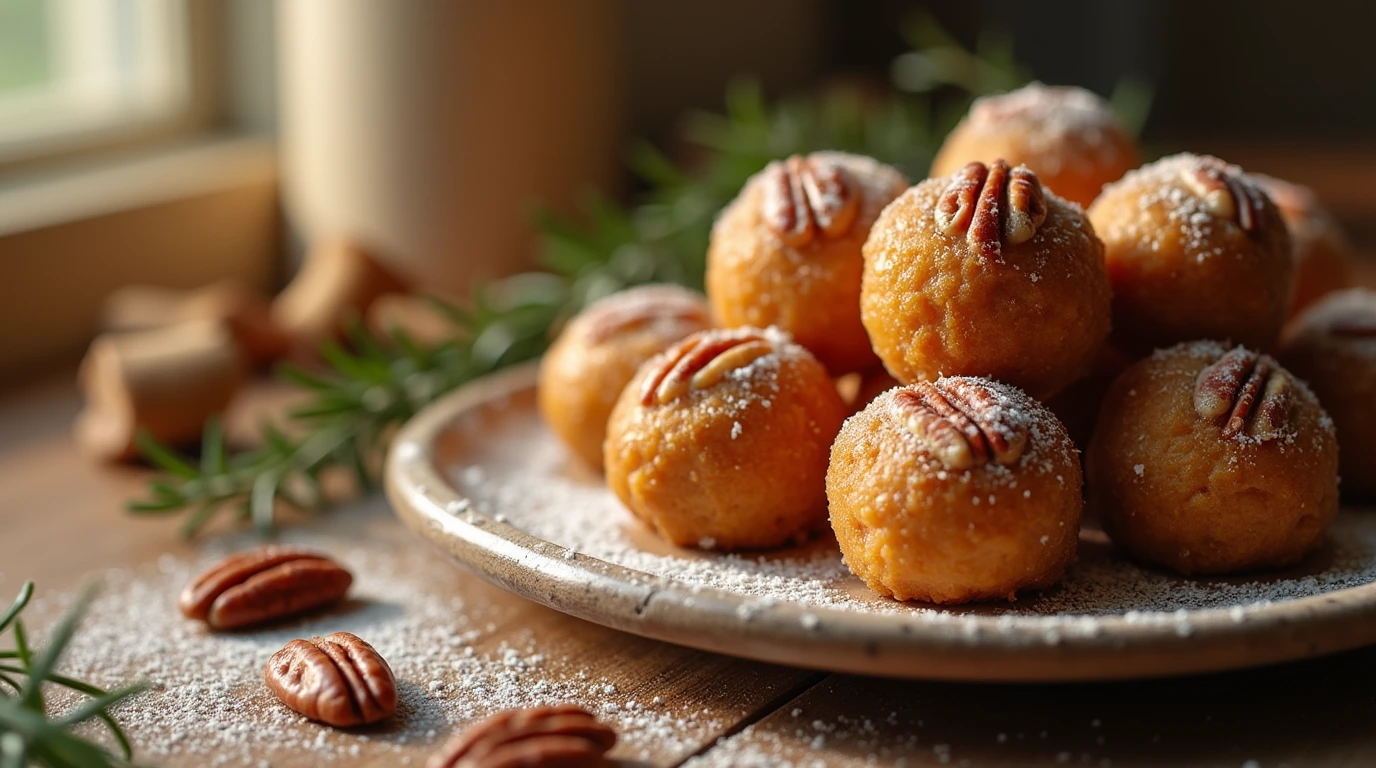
(992, 204)
(804, 195)
(263, 585)
(338, 680)
(1249, 392)
(700, 361)
(640, 308)
(960, 422)
(1226, 192)
(565, 736)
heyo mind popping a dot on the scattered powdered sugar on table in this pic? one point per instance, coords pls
(518, 470)
(207, 705)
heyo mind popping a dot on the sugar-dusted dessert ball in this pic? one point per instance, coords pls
(872, 385)
(1332, 346)
(1068, 136)
(786, 252)
(1196, 250)
(1211, 460)
(600, 350)
(721, 442)
(1323, 256)
(956, 490)
(982, 273)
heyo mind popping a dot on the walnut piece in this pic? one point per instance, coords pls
(1249, 392)
(700, 362)
(263, 585)
(566, 736)
(338, 680)
(805, 195)
(992, 204)
(960, 422)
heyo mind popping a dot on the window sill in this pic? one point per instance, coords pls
(180, 217)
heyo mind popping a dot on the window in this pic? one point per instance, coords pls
(74, 73)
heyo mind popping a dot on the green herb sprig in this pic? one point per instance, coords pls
(28, 736)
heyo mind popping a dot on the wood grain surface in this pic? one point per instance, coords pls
(61, 523)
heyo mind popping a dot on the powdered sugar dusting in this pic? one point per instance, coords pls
(527, 476)
(454, 662)
(1064, 126)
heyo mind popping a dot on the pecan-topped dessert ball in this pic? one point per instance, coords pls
(956, 490)
(786, 252)
(721, 442)
(1323, 256)
(1068, 136)
(1196, 250)
(983, 273)
(1210, 460)
(1332, 346)
(600, 350)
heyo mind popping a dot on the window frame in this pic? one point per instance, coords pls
(199, 52)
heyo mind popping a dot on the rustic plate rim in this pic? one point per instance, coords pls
(967, 647)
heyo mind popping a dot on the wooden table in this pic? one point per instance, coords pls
(61, 523)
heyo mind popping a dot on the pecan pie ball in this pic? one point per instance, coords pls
(1068, 136)
(721, 442)
(982, 273)
(953, 491)
(786, 252)
(600, 350)
(1196, 250)
(1322, 254)
(1332, 346)
(1210, 460)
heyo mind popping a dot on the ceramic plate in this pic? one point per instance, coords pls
(479, 476)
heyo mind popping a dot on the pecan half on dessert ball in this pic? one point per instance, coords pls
(1322, 253)
(722, 441)
(1068, 136)
(1211, 460)
(1196, 250)
(600, 350)
(983, 273)
(1332, 346)
(786, 252)
(956, 490)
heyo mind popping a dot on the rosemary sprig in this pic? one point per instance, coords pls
(27, 735)
(369, 386)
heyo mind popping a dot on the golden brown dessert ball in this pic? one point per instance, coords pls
(1210, 460)
(1323, 256)
(786, 252)
(1068, 136)
(600, 350)
(1332, 346)
(982, 273)
(956, 490)
(721, 442)
(1196, 250)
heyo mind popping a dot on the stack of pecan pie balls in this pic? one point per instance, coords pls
(1039, 278)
